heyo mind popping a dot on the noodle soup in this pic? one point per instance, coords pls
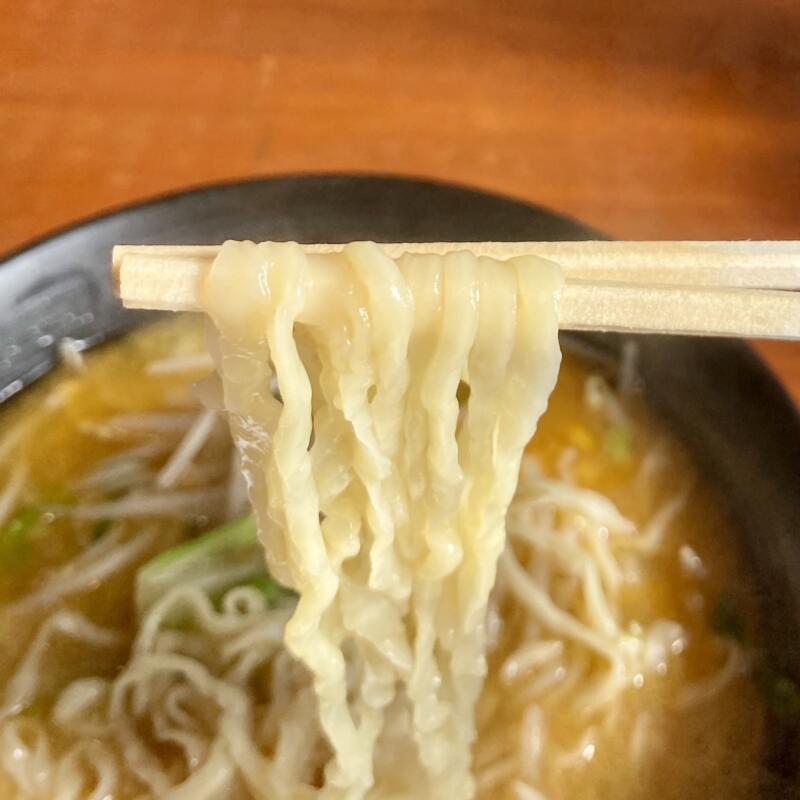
(142, 637)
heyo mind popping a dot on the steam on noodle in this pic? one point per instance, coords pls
(388, 522)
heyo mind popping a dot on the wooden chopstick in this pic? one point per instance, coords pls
(701, 288)
(746, 264)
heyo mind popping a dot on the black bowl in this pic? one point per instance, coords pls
(715, 394)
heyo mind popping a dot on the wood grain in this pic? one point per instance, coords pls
(645, 119)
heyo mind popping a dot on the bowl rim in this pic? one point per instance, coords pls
(721, 355)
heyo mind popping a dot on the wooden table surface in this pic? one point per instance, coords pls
(646, 119)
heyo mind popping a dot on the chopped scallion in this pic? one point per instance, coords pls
(275, 594)
(618, 443)
(227, 556)
(15, 535)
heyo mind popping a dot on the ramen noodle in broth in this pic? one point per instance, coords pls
(410, 638)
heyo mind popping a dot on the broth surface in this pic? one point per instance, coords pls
(653, 744)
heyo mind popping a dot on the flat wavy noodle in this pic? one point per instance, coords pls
(378, 501)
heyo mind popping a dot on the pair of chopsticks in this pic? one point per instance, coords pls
(694, 288)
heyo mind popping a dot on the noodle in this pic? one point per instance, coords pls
(24, 684)
(391, 522)
(87, 570)
(181, 459)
